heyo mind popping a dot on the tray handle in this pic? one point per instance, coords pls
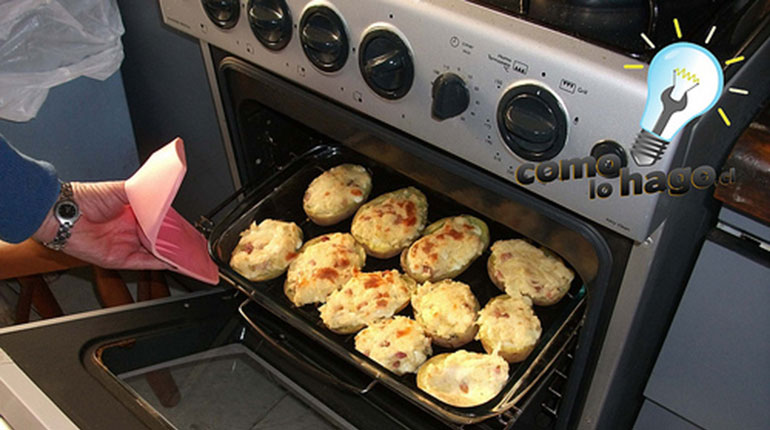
(302, 364)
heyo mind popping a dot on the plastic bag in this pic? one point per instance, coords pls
(44, 43)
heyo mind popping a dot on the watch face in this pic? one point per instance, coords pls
(67, 211)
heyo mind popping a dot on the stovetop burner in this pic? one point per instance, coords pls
(618, 24)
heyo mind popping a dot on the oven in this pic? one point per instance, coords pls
(422, 94)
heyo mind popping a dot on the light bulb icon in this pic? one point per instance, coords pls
(684, 81)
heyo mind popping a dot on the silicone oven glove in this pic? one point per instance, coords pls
(164, 231)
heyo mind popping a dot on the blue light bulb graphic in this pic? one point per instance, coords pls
(684, 81)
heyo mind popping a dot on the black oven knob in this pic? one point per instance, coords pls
(223, 13)
(532, 123)
(270, 21)
(386, 64)
(323, 38)
(450, 96)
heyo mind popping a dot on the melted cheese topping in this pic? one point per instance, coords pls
(446, 309)
(366, 298)
(337, 190)
(398, 344)
(264, 251)
(445, 251)
(464, 378)
(392, 221)
(508, 323)
(525, 269)
(323, 266)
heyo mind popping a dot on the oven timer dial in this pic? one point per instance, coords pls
(450, 96)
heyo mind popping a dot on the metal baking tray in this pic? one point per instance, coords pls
(280, 197)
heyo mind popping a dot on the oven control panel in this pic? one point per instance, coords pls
(524, 102)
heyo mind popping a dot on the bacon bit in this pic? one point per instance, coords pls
(327, 273)
(427, 246)
(464, 387)
(497, 370)
(291, 256)
(399, 220)
(372, 282)
(367, 352)
(361, 305)
(382, 303)
(356, 192)
(384, 344)
(410, 221)
(327, 193)
(338, 308)
(343, 262)
(400, 354)
(382, 295)
(456, 235)
(248, 248)
(403, 332)
(366, 218)
(306, 198)
(349, 292)
(434, 257)
(467, 306)
(324, 239)
(426, 269)
(499, 274)
(506, 256)
(396, 364)
(468, 227)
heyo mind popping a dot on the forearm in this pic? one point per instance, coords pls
(28, 190)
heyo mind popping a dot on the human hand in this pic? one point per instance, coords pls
(107, 233)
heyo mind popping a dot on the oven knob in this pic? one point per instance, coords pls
(531, 122)
(450, 96)
(386, 64)
(610, 147)
(270, 21)
(223, 13)
(323, 38)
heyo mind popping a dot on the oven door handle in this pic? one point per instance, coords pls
(302, 364)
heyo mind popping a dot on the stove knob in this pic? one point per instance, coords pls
(610, 147)
(323, 38)
(386, 64)
(270, 21)
(532, 123)
(450, 96)
(223, 13)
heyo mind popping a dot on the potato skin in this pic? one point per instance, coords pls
(348, 207)
(424, 382)
(442, 298)
(509, 353)
(289, 287)
(384, 252)
(433, 228)
(539, 300)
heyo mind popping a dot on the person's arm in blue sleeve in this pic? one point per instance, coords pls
(106, 234)
(28, 190)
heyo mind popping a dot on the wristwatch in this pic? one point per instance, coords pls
(67, 213)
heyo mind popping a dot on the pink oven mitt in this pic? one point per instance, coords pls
(165, 233)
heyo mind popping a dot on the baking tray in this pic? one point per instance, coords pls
(280, 197)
